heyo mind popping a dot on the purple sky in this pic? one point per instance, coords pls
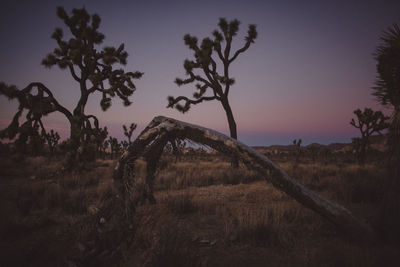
(309, 68)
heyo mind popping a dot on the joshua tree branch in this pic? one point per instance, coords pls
(239, 51)
(72, 70)
(191, 101)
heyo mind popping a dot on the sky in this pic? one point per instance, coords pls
(311, 66)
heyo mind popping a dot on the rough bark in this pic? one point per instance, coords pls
(232, 126)
(150, 142)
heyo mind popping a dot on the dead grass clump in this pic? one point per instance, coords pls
(162, 240)
(54, 196)
(77, 202)
(241, 175)
(312, 174)
(105, 189)
(263, 192)
(72, 182)
(181, 175)
(357, 185)
(272, 226)
(180, 203)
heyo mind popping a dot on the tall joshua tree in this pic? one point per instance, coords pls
(212, 84)
(128, 132)
(92, 68)
(387, 89)
(368, 122)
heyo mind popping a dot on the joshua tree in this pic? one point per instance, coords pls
(36, 141)
(92, 68)
(115, 146)
(387, 89)
(203, 69)
(100, 135)
(52, 139)
(178, 147)
(124, 144)
(368, 122)
(128, 132)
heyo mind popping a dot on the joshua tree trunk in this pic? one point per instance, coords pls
(231, 121)
(74, 141)
(232, 127)
(161, 129)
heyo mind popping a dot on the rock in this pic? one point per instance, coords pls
(92, 210)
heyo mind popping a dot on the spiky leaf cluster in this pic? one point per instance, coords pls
(86, 62)
(387, 89)
(114, 145)
(217, 82)
(36, 104)
(128, 132)
(52, 139)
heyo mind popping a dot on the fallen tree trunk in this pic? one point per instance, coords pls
(150, 143)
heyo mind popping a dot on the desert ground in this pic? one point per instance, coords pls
(207, 214)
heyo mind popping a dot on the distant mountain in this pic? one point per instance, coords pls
(378, 142)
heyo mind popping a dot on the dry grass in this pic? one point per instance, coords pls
(43, 205)
(179, 175)
(206, 215)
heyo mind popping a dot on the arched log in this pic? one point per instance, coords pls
(150, 142)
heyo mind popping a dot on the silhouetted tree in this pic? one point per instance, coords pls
(100, 136)
(387, 89)
(36, 108)
(368, 122)
(52, 139)
(128, 132)
(115, 146)
(124, 144)
(92, 68)
(36, 141)
(216, 82)
(178, 147)
(105, 145)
